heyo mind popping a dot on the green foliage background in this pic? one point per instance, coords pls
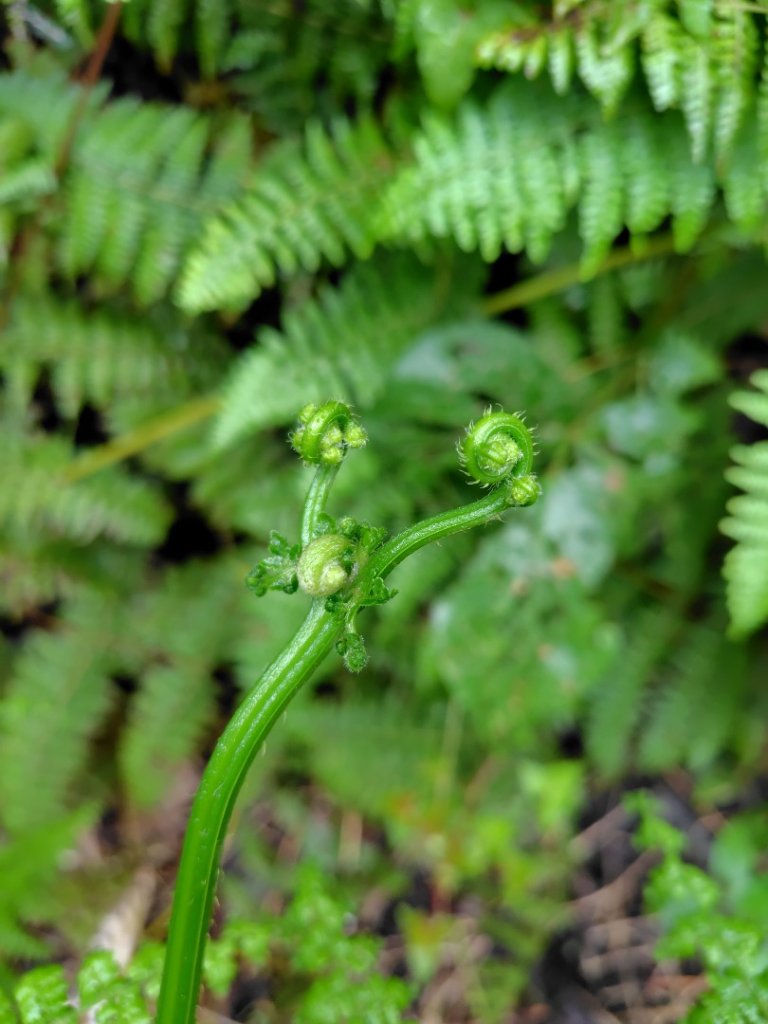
(212, 213)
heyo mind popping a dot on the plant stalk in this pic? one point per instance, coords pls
(213, 805)
(239, 743)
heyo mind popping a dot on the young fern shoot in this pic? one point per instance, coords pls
(342, 565)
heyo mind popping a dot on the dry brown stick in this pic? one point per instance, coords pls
(593, 837)
(609, 897)
(27, 235)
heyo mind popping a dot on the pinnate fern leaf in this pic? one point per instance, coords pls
(343, 343)
(136, 191)
(691, 716)
(57, 696)
(309, 202)
(102, 357)
(746, 565)
(617, 704)
(506, 175)
(114, 504)
(700, 63)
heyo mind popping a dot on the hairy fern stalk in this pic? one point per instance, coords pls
(213, 214)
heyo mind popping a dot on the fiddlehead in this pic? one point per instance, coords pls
(498, 450)
(497, 446)
(323, 436)
(325, 432)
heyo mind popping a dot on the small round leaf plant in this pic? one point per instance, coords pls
(342, 565)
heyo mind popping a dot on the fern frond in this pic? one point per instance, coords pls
(692, 715)
(29, 863)
(746, 565)
(476, 177)
(135, 194)
(45, 103)
(58, 694)
(707, 73)
(342, 343)
(102, 357)
(176, 699)
(308, 203)
(167, 720)
(617, 704)
(113, 504)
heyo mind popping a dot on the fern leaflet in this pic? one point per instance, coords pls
(618, 701)
(57, 697)
(342, 343)
(746, 565)
(115, 504)
(307, 204)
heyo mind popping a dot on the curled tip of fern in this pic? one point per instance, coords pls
(325, 432)
(496, 449)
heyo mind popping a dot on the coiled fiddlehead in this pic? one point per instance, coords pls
(322, 438)
(342, 564)
(498, 450)
(325, 432)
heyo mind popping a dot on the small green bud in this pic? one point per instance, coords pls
(352, 648)
(354, 435)
(326, 565)
(324, 433)
(524, 490)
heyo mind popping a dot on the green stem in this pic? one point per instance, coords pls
(548, 282)
(165, 425)
(240, 741)
(316, 500)
(213, 805)
(455, 520)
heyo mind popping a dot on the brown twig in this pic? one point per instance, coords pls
(26, 236)
(610, 897)
(104, 39)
